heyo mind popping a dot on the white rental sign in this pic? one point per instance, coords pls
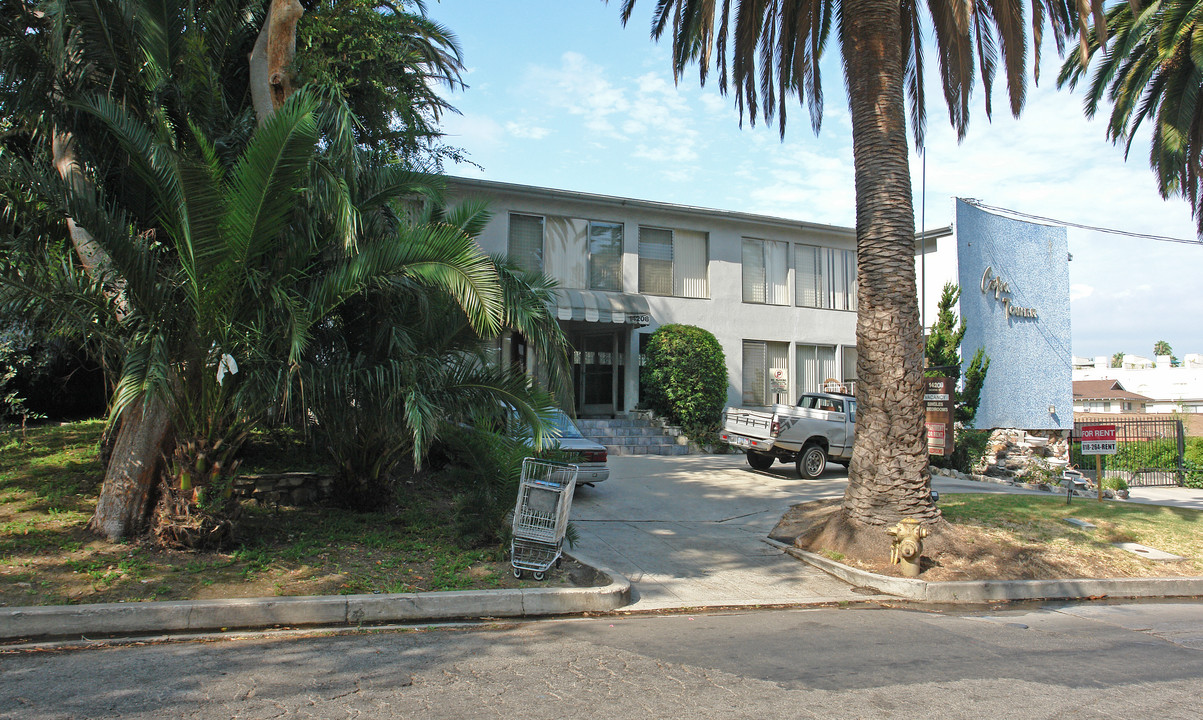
(1098, 440)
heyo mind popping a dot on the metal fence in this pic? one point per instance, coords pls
(1149, 452)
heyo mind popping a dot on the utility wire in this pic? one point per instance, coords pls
(1143, 236)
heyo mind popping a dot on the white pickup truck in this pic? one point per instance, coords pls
(821, 427)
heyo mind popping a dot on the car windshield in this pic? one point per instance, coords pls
(561, 426)
(564, 427)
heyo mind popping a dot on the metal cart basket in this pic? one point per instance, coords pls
(541, 515)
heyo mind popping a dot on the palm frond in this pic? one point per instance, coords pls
(267, 178)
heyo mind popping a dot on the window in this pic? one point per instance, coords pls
(825, 277)
(765, 272)
(673, 262)
(849, 364)
(759, 358)
(816, 364)
(605, 256)
(526, 242)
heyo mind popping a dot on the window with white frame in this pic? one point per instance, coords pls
(765, 272)
(816, 365)
(526, 242)
(605, 256)
(824, 277)
(759, 359)
(673, 262)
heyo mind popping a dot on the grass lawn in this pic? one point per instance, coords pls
(994, 536)
(48, 490)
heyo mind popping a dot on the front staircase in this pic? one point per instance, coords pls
(634, 436)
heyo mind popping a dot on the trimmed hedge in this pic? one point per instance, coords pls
(685, 379)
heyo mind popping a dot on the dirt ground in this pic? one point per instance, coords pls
(970, 552)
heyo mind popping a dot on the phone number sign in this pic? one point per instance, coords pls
(1098, 440)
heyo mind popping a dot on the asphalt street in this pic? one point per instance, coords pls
(1061, 661)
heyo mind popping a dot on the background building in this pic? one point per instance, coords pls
(779, 295)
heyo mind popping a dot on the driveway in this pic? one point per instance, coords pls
(688, 531)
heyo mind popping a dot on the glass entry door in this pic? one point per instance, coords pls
(596, 369)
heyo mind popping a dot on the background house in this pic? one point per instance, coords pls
(1106, 396)
(1168, 389)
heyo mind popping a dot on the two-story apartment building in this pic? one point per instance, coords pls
(779, 295)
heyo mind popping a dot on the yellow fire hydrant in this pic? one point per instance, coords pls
(908, 545)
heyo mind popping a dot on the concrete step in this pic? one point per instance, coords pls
(636, 440)
(624, 432)
(633, 436)
(659, 449)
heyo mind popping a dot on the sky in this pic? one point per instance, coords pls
(561, 95)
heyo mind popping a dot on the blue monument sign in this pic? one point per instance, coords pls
(1014, 278)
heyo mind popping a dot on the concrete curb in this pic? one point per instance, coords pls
(980, 591)
(350, 610)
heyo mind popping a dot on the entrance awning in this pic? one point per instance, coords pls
(602, 307)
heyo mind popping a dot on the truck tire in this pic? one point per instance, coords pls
(812, 461)
(759, 460)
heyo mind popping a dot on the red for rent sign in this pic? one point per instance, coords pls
(1098, 440)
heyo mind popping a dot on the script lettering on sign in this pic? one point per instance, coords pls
(1001, 289)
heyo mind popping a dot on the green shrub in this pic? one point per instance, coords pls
(1133, 456)
(481, 470)
(686, 379)
(1115, 483)
(1193, 463)
(969, 447)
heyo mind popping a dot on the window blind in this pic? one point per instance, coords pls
(691, 278)
(655, 261)
(754, 358)
(753, 271)
(777, 270)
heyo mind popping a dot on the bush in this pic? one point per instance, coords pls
(1134, 456)
(1193, 463)
(483, 470)
(969, 447)
(686, 379)
(1115, 483)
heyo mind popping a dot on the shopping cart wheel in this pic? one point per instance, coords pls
(517, 573)
(558, 561)
(538, 576)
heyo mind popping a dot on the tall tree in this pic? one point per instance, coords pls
(1152, 73)
(769, 51)
(1117, 360)
(106, 86)
(942, 351)
(1161, 347)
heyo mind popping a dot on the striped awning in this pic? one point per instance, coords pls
(602, 307)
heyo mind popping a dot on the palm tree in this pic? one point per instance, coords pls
(769, 51)
(1150, 73)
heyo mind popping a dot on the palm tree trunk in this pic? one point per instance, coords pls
(888, 476)
(124, 502)
(133, 454)
(91, 256)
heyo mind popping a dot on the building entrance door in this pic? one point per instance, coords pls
(597, 373)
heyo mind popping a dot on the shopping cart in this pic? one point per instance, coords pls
(541, 515)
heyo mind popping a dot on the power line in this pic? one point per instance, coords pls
(1112, 231)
